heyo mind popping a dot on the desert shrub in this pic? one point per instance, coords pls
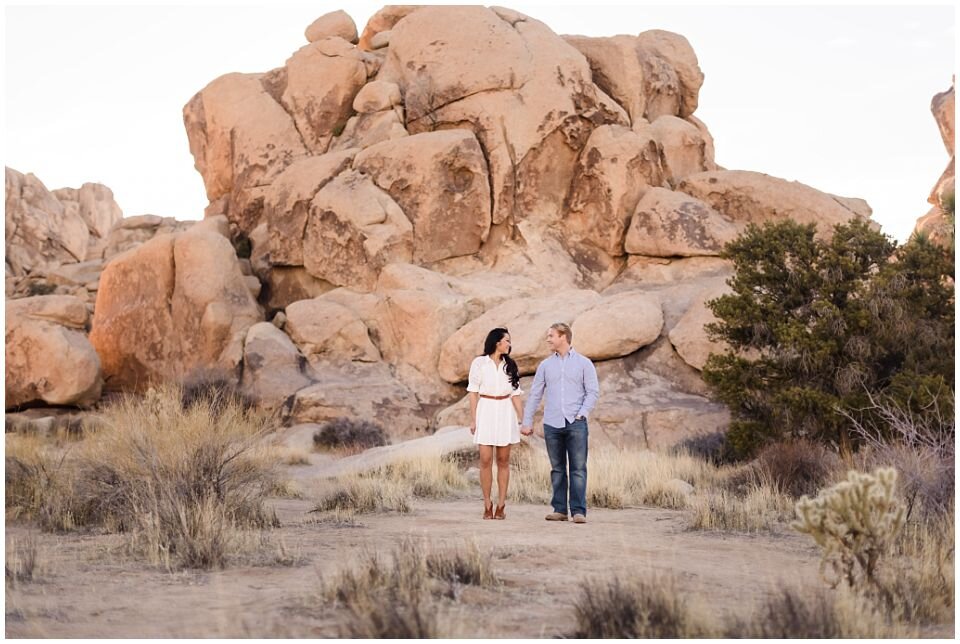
(919, 586)
(36, 287)
(795, 467)
(713, 448)
(214, 390)
(344, 433)
(808, 613)
(919, 446)
(179, 480)
(39, 482)
(365, 495)
(816, 326)
(391, 598)
(642, 608)
(854, 522)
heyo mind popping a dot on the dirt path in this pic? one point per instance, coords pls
(89, 589)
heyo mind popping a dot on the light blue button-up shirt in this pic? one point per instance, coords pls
(571, 387)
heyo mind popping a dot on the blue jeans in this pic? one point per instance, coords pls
(568, 443)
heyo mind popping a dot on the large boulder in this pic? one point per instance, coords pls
(684, 148)
(360, 391)
(94, 204)
(439, 180)
(273, 368)
(321, 109)
(526, 94)
(753, 197)
(943, 107)
(616, 166)
(384, 20)
(652, 74)
(527, 319)
(668, 224)
(130, 232)
(48, 356)
(336, 23)
(618, 325)
(40, 232)
(288, 204)
(325, 329)
(241, 137)
(355, 228)
(688, 336)
(177, 304)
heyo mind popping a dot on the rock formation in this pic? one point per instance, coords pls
(935, 223)
(387, 199)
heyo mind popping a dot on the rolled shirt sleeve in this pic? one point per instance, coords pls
(476, 376)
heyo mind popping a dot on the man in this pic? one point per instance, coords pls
(570, 383)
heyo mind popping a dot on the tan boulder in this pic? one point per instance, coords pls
(641, 409)
(618, 325)
(709, 150)
(365, 130)
(525, 93)
(273, 369)
(753, 197)
(688, 336)
(384, 20)
(682, 147)
(377, 96)
(439, 180)
(615, 168)
(39, 231)
(241, 137)
(94, 204)
(77, 274)
(353, 230)
(668, 224)
(48, 357)
(943, 107)
(360, 391)
(321, 109)
(336, 23)
(381, 40)
(130, 232)
(287, 206)
(652, 74)
(325, 329)
(285, 284)
(172, 306)
(527, 319)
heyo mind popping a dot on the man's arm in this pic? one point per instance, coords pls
(536, 395)
(591, 387)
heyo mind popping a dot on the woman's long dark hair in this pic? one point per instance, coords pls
(490, 346)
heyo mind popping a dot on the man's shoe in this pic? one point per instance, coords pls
(556, 516)
(579, 518)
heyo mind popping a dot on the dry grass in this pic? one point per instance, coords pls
(816, 613)
(23, 561)
(359, 495)
(762, 508)
(641, 608)
(181, 478)
(395, 597)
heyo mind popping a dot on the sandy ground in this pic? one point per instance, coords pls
(89, 588)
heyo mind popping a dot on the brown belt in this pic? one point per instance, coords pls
(496, 397)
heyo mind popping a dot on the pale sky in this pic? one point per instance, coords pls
(835, 97)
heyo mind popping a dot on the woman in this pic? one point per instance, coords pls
(494, 387)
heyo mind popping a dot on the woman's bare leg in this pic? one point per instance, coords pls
(486, 472)
(503, 473)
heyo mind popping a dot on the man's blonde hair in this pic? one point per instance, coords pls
(564, 329)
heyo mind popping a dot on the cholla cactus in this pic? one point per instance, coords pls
(854, 522)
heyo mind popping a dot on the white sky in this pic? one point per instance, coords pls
(835, 97)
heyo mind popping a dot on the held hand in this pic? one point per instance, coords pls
(526, 430)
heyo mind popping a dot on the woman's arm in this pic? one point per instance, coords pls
(474, 399)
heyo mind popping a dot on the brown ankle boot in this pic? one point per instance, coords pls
(488, 511)
(500, 514)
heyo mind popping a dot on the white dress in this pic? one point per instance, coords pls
(497, 422)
